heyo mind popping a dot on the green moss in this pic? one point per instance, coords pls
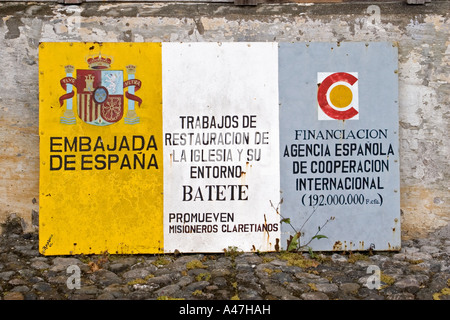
(232, 252)
(84, 258)
(415, 261)
(445, 291)
(235, 287)
(298, 260)
(197, 293)
(267, 259)
(168, 298)
(312, 286)
(271, 271)
(321, 258)
(357, 257)
(136, 281)
(386, 279)
(116, 257)
(195, 264)
(140, 280)
(161, 261)
(205, 276)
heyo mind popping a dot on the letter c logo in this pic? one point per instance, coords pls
(337, 96)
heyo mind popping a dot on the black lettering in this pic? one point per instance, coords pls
(249, 121)
(85, 146)
(135, 143)
(55, 166)
(137, 160)
(299, 167)
(124, 144)
(152, 162)
(68, 162)
(261, 137)
(54, 144)
(99, 144)
(114, 145)
(151, 143)
(86, 159)
(187, 193)
(100, 158)
(112, 158)
(125, 162)
(168, 139)
(68, 146)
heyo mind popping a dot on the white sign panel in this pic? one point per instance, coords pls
(221, 146)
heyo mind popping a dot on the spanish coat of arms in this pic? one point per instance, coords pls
(100, 93)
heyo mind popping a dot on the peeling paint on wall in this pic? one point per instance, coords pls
(422, 33)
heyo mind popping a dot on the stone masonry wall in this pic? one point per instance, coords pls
(421, 32)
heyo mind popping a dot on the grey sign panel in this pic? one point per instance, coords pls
(339, 145)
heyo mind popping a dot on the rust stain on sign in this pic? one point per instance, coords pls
(337, 246)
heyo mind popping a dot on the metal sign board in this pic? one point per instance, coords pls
(101, 163)
(150, 147)
(221, 146)
(339, 145)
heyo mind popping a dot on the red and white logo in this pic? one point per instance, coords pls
(337, 96)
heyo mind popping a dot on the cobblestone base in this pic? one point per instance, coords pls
(420, 271)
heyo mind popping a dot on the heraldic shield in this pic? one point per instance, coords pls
(100, 96)
(100, 93)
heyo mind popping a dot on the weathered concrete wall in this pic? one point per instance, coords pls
(422, 33)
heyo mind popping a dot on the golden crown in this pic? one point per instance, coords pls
(131, 69)
(99, 61)
(69, 68)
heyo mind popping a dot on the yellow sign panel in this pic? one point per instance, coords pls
(101, 163)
